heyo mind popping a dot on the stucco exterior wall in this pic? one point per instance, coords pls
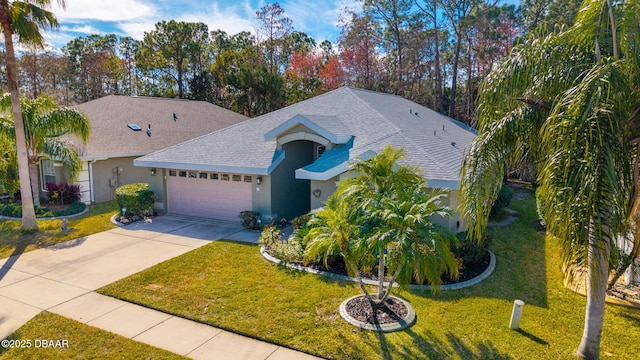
(261, 196)
(325, 188)
(105, 180)
(290, 196)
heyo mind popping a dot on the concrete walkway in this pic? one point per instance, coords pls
(62, 279)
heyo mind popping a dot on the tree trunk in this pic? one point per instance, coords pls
(35, 186)
(439, 100)
(380, 274)
(454, 77)
(28, 212)
(597, 273)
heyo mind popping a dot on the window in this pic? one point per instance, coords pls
(203, 175)
(182, 174)
(214, 176)
(48, 172)
(248, 179)
(192, 174)
(237, 178)
(172, 173)
(225, 177)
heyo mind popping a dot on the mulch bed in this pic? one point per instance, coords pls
(626, 292)
(469, 271)
(392, 311)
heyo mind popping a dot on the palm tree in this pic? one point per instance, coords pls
(334, 230)
(46, 124)
(385, 207)
(23, 18)
(569, 101)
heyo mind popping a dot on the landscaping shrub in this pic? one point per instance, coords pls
(539, 207)
(41, 212)
(469, 251)
(249, 219)
(11, 210)
(289, 251)
(15, 210)
(136, 198)
(75, 208)
(504, 198)
(300, 221)
(63, 193)
(270, 237)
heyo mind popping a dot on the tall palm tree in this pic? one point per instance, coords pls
(389, 208)
(569, 100)
(24, 19)
(46, 126)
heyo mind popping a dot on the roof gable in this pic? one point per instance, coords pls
(329, 127)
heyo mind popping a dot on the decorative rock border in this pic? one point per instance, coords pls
(407, 321)
(50, 217)
(457, 286)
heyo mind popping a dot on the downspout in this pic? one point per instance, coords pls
(91, 195)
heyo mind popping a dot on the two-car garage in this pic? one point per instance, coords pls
(208, 195)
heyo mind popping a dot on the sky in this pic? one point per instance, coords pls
(318, 18)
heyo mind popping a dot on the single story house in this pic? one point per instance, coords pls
(124, 128)
(288, 162)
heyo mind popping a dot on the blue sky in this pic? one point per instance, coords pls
(320, 18)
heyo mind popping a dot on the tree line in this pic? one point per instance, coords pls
(434, 52)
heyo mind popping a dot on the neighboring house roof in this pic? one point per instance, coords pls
(361, 122)
(110, 116)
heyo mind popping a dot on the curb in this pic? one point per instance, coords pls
(485, 274)
(402, 324)
(86, 209)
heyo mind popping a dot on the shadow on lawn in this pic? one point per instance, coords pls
(15, 255)
(428, 346)
(521, 264)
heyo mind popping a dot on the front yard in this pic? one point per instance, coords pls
(82, 342)
(13, 241)
(229, 285)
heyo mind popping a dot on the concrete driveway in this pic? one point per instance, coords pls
(62, 278)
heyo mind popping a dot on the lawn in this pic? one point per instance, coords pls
(231, 286)
(13, 241)
(84, 342)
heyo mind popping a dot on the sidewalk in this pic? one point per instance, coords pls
(62, 280)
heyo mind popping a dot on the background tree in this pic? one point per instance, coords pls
(23, 18)
(171, 48)
(46, 124)
(273, 30)
(580, 126)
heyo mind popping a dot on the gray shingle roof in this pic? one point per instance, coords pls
(109, 116)
(433, 142)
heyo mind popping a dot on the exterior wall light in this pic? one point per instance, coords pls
(153, 172)
(259, 180)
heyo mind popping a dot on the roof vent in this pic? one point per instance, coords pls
(149, 130)
(134, 127)
(410, 111)
(442, 127)
(175, 116)
(416, 113)
(434, 133)
(453, 143)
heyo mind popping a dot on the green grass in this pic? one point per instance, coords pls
(231, 286)
(84, 342)
(13, 241)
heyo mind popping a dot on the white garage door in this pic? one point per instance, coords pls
(208, 198)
